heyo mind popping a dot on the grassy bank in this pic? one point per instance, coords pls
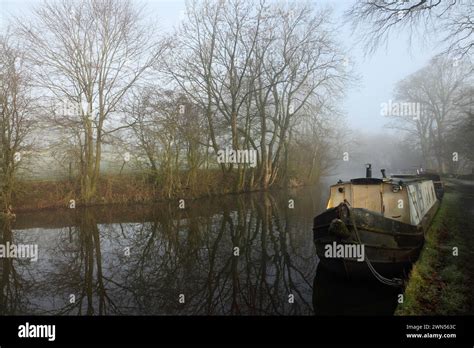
(441, 283)
(121, 189)
(112, 189)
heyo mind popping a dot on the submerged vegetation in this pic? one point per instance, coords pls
(439, 283)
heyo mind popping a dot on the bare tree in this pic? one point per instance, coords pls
(461, 134)
(211, 63)
(437, 89)
(300, 68)
(170, 132)
(252, 67)
(89, 54)
(190, 62)
(16, 108)
(318, 141)
(450, 21)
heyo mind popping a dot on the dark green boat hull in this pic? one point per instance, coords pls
(390, 245)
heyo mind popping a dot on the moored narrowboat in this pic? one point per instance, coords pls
(426, 175)
(374, 226)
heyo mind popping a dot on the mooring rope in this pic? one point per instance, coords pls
(396, 282)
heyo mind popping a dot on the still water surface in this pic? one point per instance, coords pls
(149, 259)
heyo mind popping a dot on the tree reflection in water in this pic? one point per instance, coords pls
(10, 289)
(85, 269)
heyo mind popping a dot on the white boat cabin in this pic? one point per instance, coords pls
(405, 201)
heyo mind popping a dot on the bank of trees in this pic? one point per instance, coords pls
(87, 54)
(257, 72)
(245, 75)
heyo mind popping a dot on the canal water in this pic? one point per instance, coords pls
(246, 254)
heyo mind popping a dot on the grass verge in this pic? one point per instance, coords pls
(440, 282)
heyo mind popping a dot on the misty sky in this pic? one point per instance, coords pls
(378, 72)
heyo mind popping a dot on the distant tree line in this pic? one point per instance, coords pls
(443, 131)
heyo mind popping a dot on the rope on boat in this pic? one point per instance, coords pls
(395, 282)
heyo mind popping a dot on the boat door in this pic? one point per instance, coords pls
(367, 196)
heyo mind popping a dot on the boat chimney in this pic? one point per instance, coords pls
(383, 173)
(368, 170)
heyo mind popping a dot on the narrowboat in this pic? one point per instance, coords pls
(427, 175)
(374, 226)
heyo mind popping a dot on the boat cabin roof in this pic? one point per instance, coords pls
(377, 181)
(423, 175)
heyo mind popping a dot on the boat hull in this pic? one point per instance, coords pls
(390, 246)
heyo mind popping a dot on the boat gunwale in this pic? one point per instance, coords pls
(373, 246)
(374, 230)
